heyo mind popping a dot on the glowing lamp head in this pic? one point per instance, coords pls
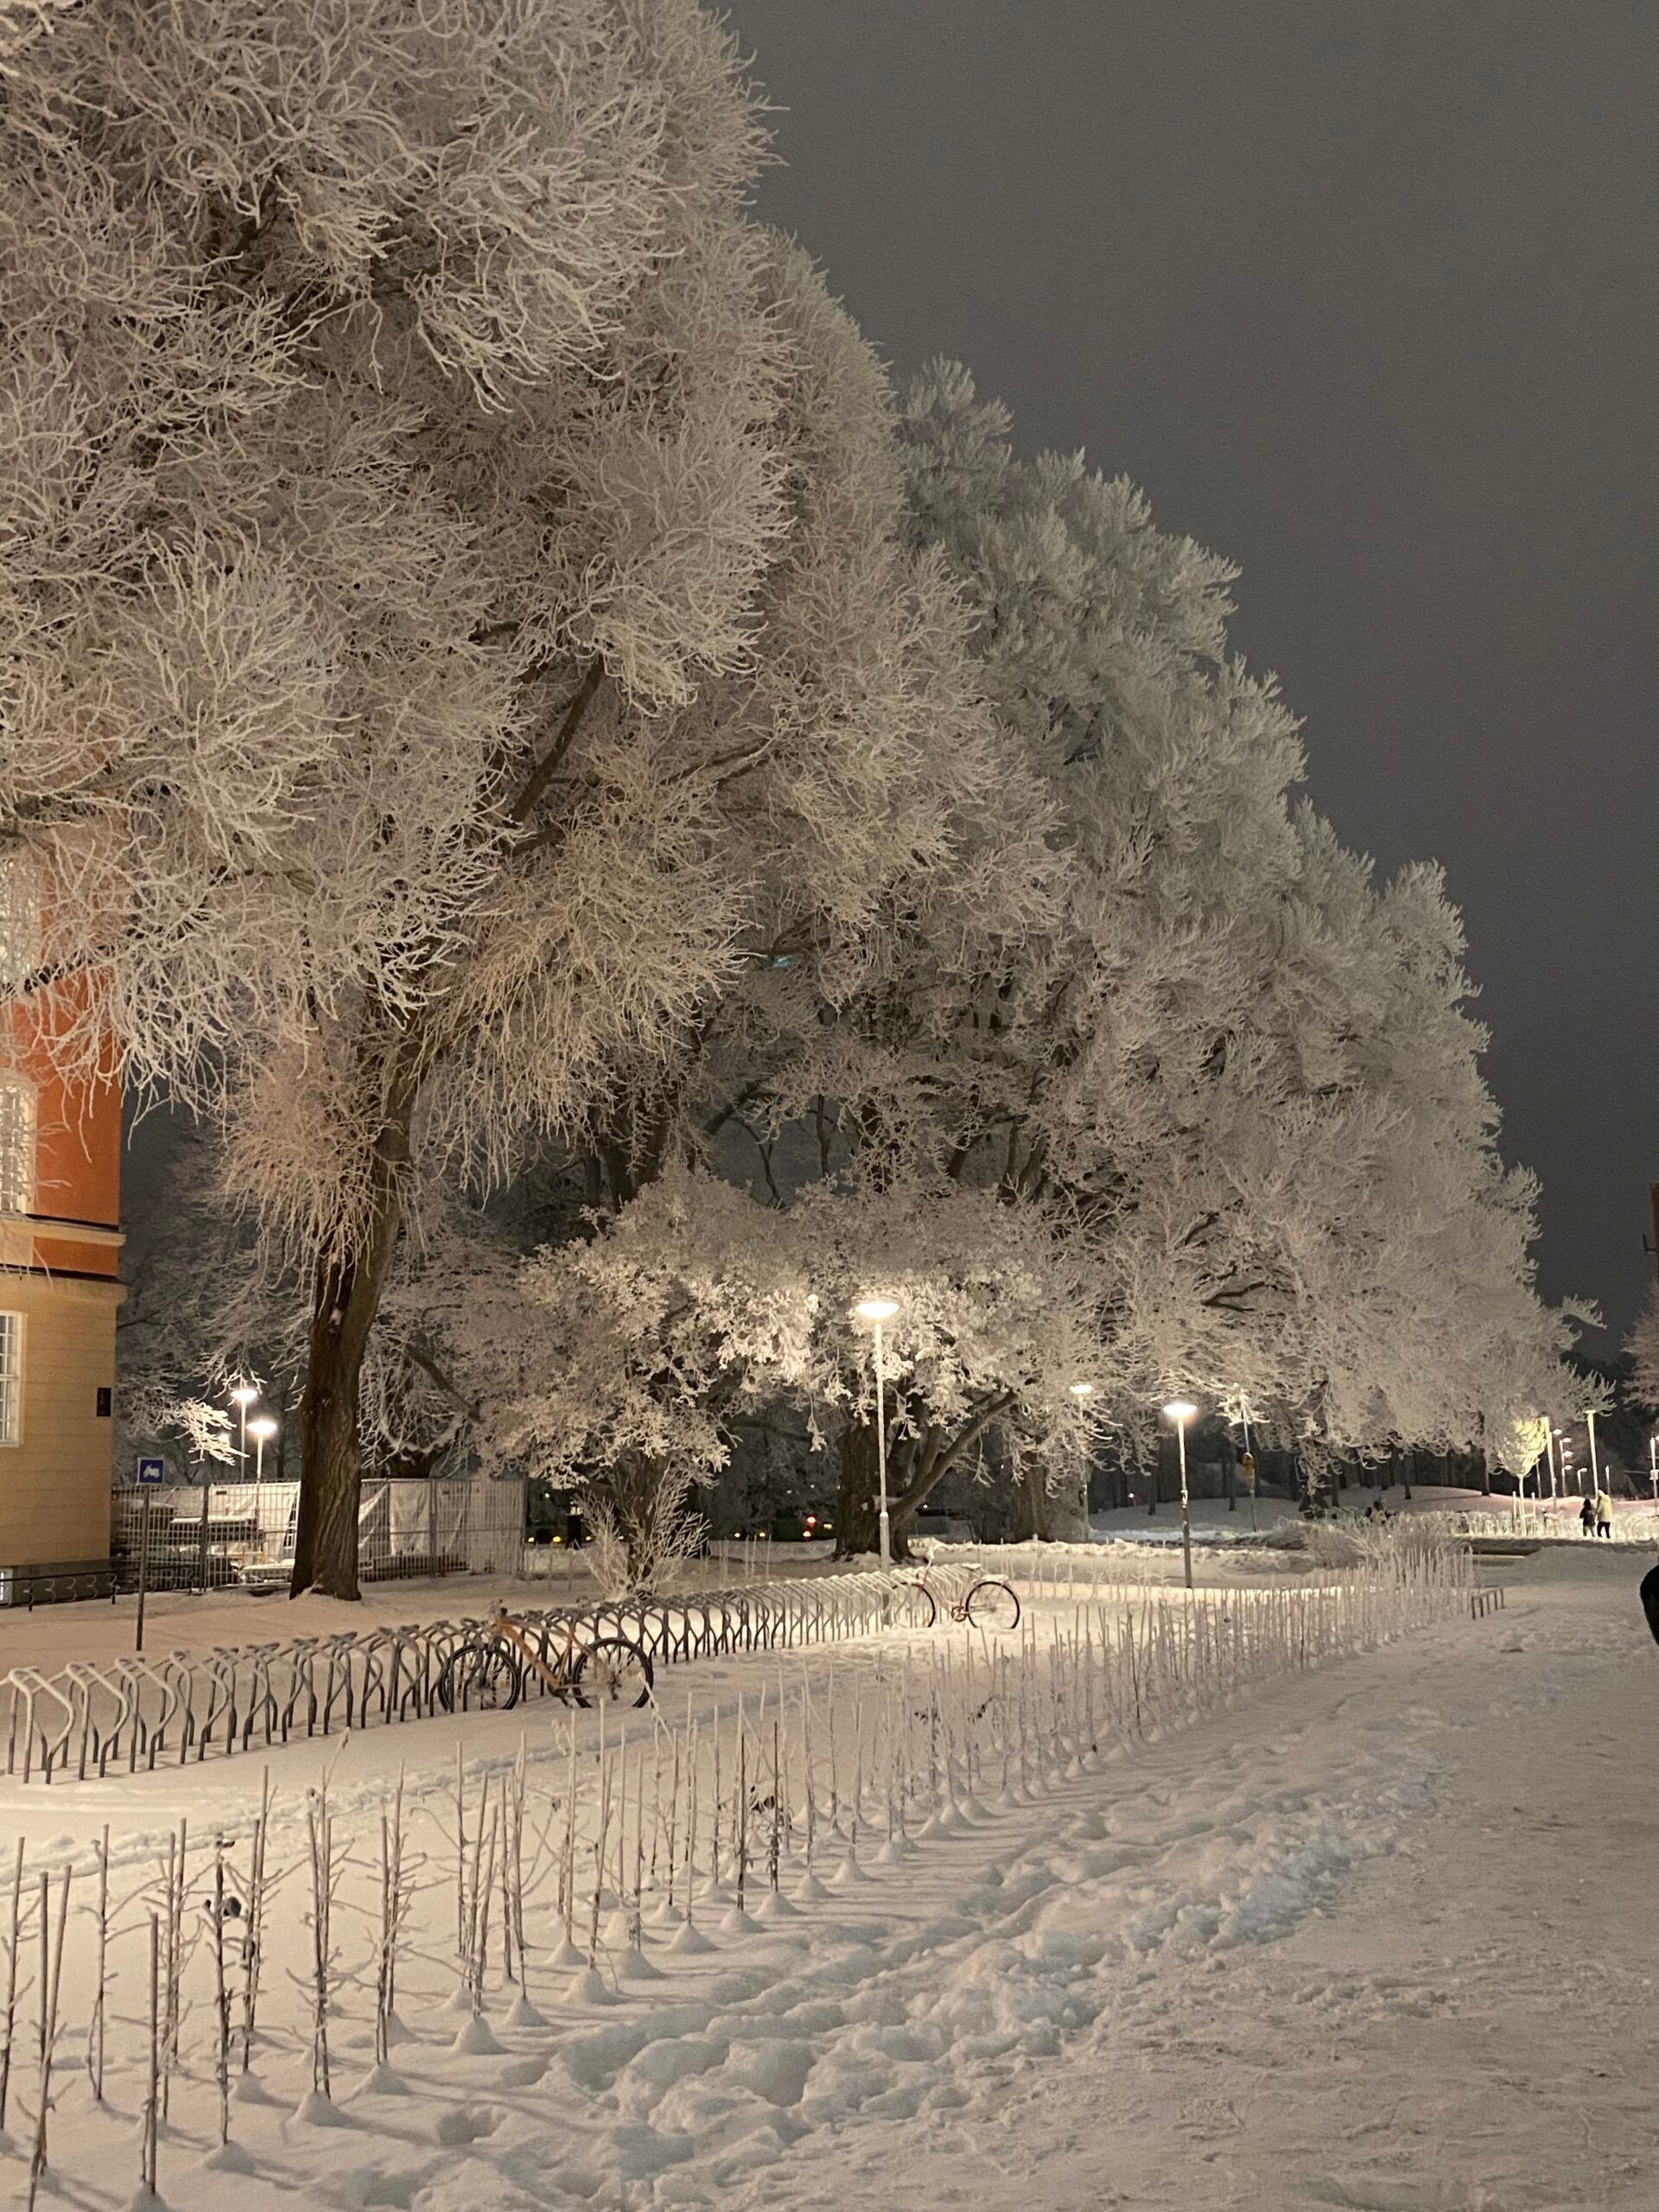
(1180, 1409)
(263, 1428)
(876, 1309)
(1081, 1389)
(245, 1394)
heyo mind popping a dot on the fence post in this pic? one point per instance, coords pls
(431, 1525)
(201, 1550)
(144, 1568)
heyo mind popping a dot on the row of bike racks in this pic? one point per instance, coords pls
(132, 1714)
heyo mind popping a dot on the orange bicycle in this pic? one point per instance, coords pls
(491, 1673)
(985, 1604)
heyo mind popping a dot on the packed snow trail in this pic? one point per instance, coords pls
(1444, 1851)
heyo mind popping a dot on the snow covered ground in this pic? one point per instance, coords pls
(1375, 1936)
(1384, 1943)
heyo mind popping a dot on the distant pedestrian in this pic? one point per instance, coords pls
(1604, 1514)
(1650, 1599)
(1588, 1517)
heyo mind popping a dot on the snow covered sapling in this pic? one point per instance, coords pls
(324, 1862)
(9, 2006)
(48, 1986)
(393, 1919)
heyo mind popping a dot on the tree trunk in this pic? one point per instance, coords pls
(324, 1543)
(857, 1513)
(346, 1302)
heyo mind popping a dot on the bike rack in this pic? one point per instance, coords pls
(92, 1719)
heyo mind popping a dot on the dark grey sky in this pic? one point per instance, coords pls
(1363, 293)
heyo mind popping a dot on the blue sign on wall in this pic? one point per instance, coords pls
(152, 1471)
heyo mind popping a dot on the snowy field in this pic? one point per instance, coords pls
(1350, 1936)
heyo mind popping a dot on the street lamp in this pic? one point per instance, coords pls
(875, 1311)
(1181, 1411)
(1595, 1468)
(261, 1429)
(244, 1396)
(1083, 1392)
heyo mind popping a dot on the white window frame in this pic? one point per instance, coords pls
(19, 1138)
(11, 1379)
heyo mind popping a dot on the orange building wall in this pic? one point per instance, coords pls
(55, 1480)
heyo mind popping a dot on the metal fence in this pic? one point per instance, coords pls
(133, 1714)
(220, 1536)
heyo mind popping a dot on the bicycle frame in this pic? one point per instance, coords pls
(509, 1631)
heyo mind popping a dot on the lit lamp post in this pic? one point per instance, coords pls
(1181, 1411)
(1083, 1392)
(875, 1311)
(1595, 1465)
(243, 1396)
(261, 1430)
(1653, 1466)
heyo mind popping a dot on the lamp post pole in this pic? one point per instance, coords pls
(875, 1311)
(261, 1430)
(1180, 1412)
(245, 1395)
(1083, 1392)
(883, 1522)
(1595, 1465)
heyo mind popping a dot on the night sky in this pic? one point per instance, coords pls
(1363, 297)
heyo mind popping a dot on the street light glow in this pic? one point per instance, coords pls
(245, 1394)
(1082, 1389)
(876, 1309)
(1180, 1409)
(263, 1428)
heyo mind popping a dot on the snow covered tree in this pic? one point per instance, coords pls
(452, 620)
(1159, 1012)
(1249, 1071)
(632, 1353)
(1643, 1346)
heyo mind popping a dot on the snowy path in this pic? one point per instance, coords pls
(1445, 1853)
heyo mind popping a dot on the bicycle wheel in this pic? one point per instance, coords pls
(923, 1605)
(480, 1678)
(611, 1671)
(992, 1605)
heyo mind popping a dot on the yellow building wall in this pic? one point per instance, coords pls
(55, 1481)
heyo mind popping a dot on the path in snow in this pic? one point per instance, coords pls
(1446, 1850)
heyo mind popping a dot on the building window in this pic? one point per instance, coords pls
(11, 1377)
(16, 1146)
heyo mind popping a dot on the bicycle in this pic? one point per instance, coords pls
(491, 1673)
(986, 1604)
